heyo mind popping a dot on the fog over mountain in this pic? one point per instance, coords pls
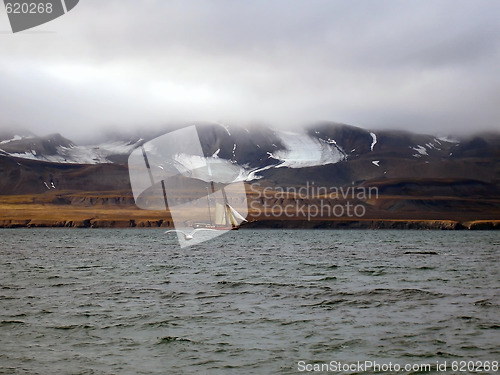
(429, 67)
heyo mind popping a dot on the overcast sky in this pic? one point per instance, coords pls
(425, 66)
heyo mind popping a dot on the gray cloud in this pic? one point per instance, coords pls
(421, 66)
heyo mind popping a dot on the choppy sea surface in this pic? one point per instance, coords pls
(131, 301)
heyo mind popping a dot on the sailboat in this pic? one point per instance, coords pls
(170, 173)
(226, 217)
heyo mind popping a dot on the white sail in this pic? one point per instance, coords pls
(220, 214)
(230, 217)
(235, 214)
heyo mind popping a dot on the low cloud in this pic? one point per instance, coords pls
(420, 66)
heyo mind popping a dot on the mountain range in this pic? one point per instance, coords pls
(417, 176)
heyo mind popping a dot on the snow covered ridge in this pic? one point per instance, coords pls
(245, 154)
(15, 138)
(305, 151)
(82, 154)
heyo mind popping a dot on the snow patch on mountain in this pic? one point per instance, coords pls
(234, 153)
(217, 169)
(421, 150)
(432, 145)
(331, 141)
(190, 162)
(304, 151)
(448, 139)
(249, 175)
(210, 169)
(374, 140)
(118, 147)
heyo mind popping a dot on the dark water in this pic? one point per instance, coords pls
(250, 302)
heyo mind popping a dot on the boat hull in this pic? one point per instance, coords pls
(215, 227)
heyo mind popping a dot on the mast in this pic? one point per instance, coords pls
(208, 202)
(229, 215)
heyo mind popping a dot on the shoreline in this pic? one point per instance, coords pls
(368, 224)
(117, 210)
